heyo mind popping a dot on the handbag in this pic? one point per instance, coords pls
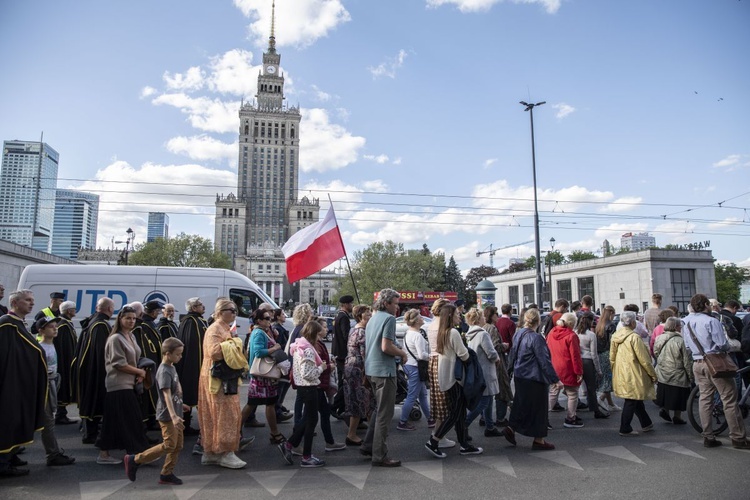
(423, 367)
(719, 364)
(265, 367)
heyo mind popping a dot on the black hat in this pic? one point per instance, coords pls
(57, 295)
(153, 305)
(44, 321)
(346, 299)
(459, 303)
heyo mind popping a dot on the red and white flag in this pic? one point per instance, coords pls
(313, 248)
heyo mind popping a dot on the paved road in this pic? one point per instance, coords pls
(592, 462)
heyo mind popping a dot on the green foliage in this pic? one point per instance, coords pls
(555, 257)
(729, 278)
(388, 265)
(453, 280)
(579, 255)
(183, 250)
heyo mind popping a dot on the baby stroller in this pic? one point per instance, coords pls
(402, 389)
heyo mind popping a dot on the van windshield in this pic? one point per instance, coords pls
(247, 301)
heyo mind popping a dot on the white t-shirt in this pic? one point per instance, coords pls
(418, 345)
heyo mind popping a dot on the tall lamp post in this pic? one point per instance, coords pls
(129, 243)
(549, 264)
(538, 253)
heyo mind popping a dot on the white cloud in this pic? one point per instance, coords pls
(299, 23)
(729, 161)
(613, 232)
(397, 161)
(551, 6)
(203, 147)
(204, 113)
(389, 67)
(729, 221)
(623, 204)
(381, 159)
(489, 162)
(343, 114)
(147, 92)
(191, 80)
(320, 96)
(233, 73)
(675, 232)
(563, 110)
(325, 145)
(733, 162)
(128, 193)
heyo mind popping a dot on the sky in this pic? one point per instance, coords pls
(411, 120)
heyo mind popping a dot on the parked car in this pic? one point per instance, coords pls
(401, 326)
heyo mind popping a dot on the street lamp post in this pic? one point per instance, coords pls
(538, 253)
(549, 263)
(129, 243)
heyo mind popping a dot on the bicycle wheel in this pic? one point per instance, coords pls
(719, 421)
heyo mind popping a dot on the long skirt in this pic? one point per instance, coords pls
(438, 401)
(219, 416)
(605, 385)
(528, 415)
(122, 424)
(672, 397)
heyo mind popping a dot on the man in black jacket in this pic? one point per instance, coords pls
(341, 327)
(192, 329)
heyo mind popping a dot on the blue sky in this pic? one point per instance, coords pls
(410, 111)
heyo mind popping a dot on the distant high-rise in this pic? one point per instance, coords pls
(637, 241)
(76, 222)
(27, 193)
(158, 226)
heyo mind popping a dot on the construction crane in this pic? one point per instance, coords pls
(492, 251)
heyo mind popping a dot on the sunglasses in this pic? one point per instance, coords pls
(127, 309)
(231, 310)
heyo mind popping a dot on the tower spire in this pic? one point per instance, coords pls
(272, 38)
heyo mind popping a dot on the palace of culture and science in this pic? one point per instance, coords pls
(253, 225)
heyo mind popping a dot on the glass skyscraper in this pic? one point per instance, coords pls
(76, 222)
(158, 226)
(27, 193)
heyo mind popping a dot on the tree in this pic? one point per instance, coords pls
(579, 255)
(729, 278)
(453, 280)
(388, 265)
(183, 250)
(473, 277)
(555, 257)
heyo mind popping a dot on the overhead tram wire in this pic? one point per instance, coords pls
(426, 195)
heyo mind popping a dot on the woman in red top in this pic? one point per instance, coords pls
(565, 350)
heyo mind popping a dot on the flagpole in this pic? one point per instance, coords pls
(351, 275)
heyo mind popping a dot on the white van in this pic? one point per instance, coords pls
(85, 285)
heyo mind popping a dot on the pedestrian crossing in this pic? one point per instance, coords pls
(275, 481)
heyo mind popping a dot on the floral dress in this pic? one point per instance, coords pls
(359, 399)
(261, 390)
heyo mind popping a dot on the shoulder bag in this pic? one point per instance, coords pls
(719, 364)
(422, 365)
(267, 366)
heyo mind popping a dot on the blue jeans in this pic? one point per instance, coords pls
(485, 409)
(417, 390)
(501, 409)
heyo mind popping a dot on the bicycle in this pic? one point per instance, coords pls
(718, 419)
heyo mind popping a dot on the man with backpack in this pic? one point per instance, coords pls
(549, 321)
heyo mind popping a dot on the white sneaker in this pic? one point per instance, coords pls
(210, 459)
(614, 407)
(335, 446)
(231, 461)
(446, 443)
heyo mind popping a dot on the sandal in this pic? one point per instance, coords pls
(277, 438)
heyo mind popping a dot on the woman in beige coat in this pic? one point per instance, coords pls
(633, 377)
(674, 370)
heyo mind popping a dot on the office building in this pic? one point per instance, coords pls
(76, 222)
(158, 226)
(637, 241)
(28, 181)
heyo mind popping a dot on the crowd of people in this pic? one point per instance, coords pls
(131, 374)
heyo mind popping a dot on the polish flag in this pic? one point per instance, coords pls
(313, 248)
